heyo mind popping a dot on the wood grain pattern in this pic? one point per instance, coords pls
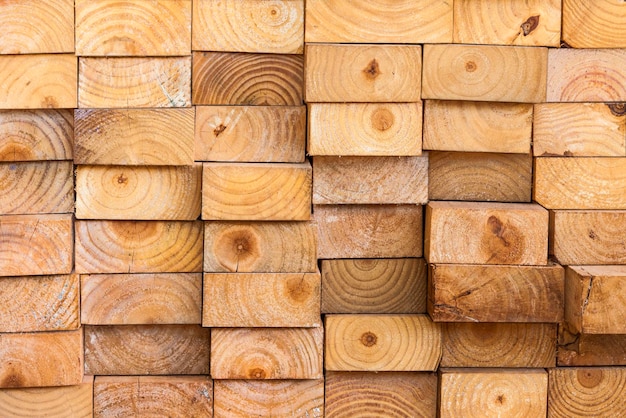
(579, 130)
(37, 359)
(510, 22)
(374, 285)
(260, 247)
(485, 73)
(261, 134)
(363, 73)
(146, 349)
(256, 191)
(594, 25)
(261, 300)
(129, 299)
(249, 26)
(382, 343)
(590, 75)
(366, 129)
(134, 82)
(36, 27)
(389, 394)
(35, 244)
(134, 136)
(38, 81)
(498, 345)
(265, 353)
(223, 78)
(133, 28)
(591, 349)
(479, 176)
(451, 125)
(490, 293)
(138, 192)
(36, 187)
(170, 396)
(276, 398)
(138, 247)
(36, 135)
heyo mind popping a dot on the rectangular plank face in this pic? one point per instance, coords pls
(485, 73)
(249, 26)
(367, 129)
(131, 28)
(129, 299)
(594, 25)
(261, 300)
(411, 22)
(134, 136)
(134, 82)
(499, 345)
(261, 134)
(265, 353)
(363, 73)
(513, 22)
(46, 81)
(492, 233)
(146, 349)
(382, 343)
(484, 293)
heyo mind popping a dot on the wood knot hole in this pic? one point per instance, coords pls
(470, 66)
(257, 373)
(617, 109)
(500, 399)
(372, 70)
(530, 25)
(121, 179)
(219, 130)
(273, 12)
(369, 339)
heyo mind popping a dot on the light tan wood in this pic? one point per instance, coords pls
(368, 231)
(128, 299)
(370, 180)
(261, 300)
(382, 343)
(261, 134)
(374, 285)
(265, 353)
(366, 129)
(36, 27)
(591, 349)
(498, 345)
(146, 349)
(36, 135)
(134, 136)
(259, 247)
(138, 192)
(390, 394)
(135, 396)
(278, 398)
(138, 247)
(36, 359)
(249, 26)
(40, 303)
(588, 237)
(580, 183)
(493, 393)
(411, 22)
(509, 22)
(38, 81)
(579, 130)
(594, 25)
(488, 293)
(35, 244)
(494, 233)
(479, 176)
(485, 73)
(256, 191)
(134, 82)
(363, 73)
(586, 392)
(594, 296)
(36, 187)
(133, 28)
(569, 80)
(477, 126)
(224, 78)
